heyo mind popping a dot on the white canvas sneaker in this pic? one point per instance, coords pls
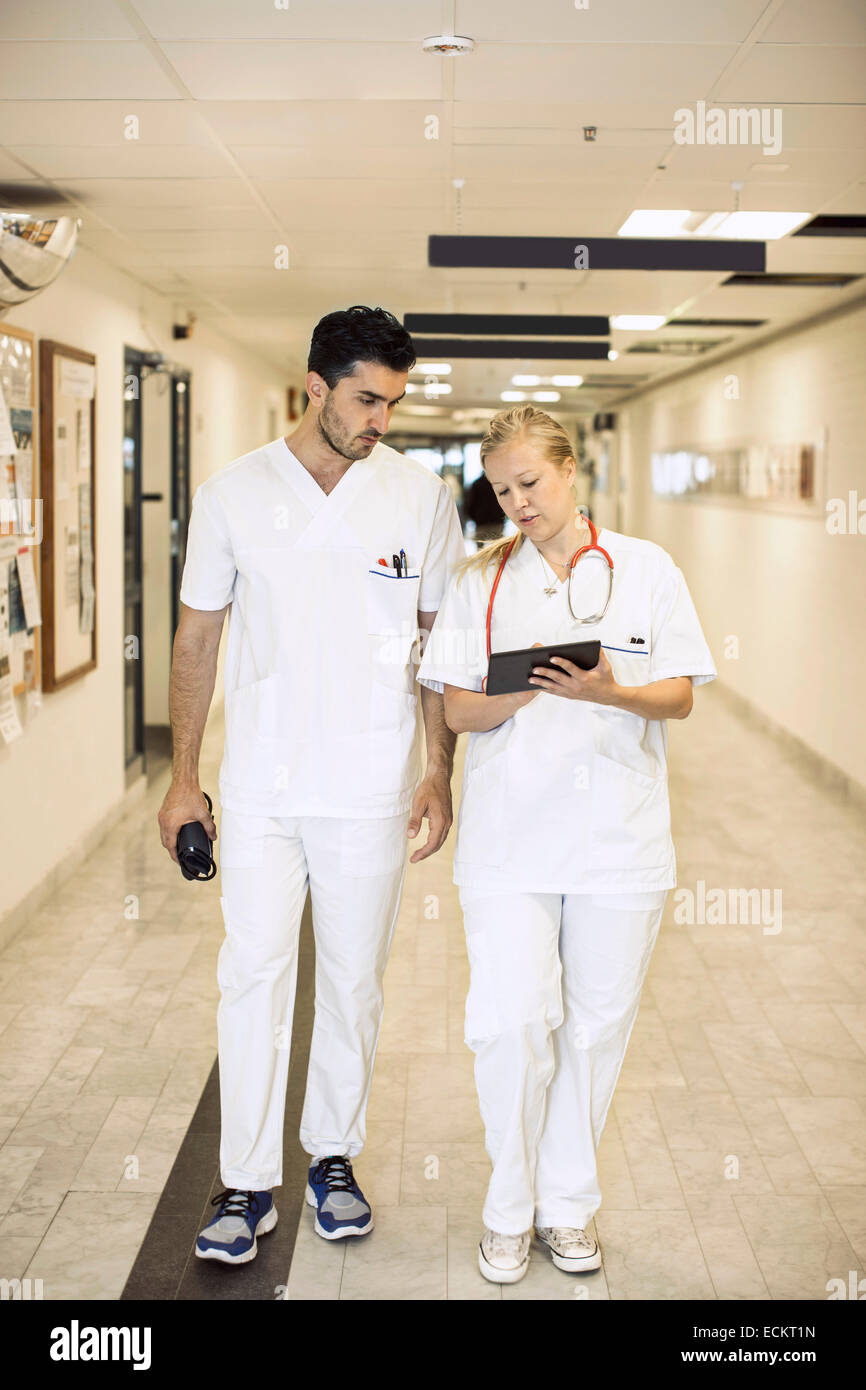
(571, 1249)
(503, 1259)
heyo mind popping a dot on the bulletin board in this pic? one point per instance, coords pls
(20, 532)
(67, 417)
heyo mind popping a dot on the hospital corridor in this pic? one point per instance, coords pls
(748, 1050)
(432, 670)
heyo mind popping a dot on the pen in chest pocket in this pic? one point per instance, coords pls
(399, 564)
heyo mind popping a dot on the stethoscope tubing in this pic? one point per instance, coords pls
(584, 550)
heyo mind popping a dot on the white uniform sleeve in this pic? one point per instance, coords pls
(455, 652)
(209, 570)
(679, 647)
(444, 550)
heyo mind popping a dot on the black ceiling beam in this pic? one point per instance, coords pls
(834, 224)
(558, 325)
(601, 253)
(503, 347)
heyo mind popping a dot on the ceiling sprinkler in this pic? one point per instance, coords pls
(451, 45)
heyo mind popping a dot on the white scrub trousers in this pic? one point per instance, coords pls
(554, 992)
(355, 871)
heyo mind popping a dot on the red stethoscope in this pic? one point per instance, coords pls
(584, 550)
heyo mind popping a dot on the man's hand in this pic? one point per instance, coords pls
(184, 802)
(433, 800)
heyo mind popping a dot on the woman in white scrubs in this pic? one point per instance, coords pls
(564, 854)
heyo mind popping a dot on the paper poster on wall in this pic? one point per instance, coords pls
(10, 724)
(61, 461)
(7, 438)
(71, 562)
(29, 592)
(17, 620)
(85, 621)
(76, 378)
(7, 488)
(22, 429)
(82, 439)
(67, 646)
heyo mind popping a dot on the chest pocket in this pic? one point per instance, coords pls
(392, 626)
(629, 660)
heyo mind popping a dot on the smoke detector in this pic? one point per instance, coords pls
(452, 45)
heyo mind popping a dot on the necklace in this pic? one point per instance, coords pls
(551, 589)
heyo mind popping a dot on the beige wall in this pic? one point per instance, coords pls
(791, 592)
(66, 773)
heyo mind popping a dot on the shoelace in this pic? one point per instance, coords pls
(570, 1235)
(335, 1173)
(237, 1203)
(506, 1245)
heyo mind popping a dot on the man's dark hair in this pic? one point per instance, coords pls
(348, 336)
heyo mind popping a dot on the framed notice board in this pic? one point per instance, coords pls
(20, 529)
(67, 417)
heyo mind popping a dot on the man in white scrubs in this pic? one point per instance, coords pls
(331, 549)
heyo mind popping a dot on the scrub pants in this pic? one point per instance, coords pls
(355, 871)
(555, 985)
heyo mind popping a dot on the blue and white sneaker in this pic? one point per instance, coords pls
(231, 1236)
(341, 1207)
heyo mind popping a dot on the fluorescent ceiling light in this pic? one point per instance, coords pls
(513, 396)
(437, 388)
(567, 380)
(526, 381)
(654, 222)
(546, 396)
(711, 223)
(745, 226)
(759, 226)
(433, 368)
(637, 321)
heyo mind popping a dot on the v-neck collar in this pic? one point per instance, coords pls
(601, 531)
(304, 484)
(328, 528)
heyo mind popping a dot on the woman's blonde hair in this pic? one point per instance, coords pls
(523, 421)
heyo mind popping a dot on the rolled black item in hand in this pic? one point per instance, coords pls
(194, 849)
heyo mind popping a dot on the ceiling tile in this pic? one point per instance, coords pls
(677, 72)
(304, 70)
(560, 21)
(58, 19)
(63, 71)
(127, 159)
(386, 21)
(802, 21)
(775, 73)
(131, 192)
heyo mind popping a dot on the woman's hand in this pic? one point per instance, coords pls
(571, 682)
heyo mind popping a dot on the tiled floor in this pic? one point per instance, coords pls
(733, 1165)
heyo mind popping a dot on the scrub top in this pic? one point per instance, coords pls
(320, 692)
(569, 796)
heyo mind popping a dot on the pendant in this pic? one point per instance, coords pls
(550, 592)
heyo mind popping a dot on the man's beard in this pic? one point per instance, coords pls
(335, 436)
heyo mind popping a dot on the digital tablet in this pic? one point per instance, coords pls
(510, 671)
